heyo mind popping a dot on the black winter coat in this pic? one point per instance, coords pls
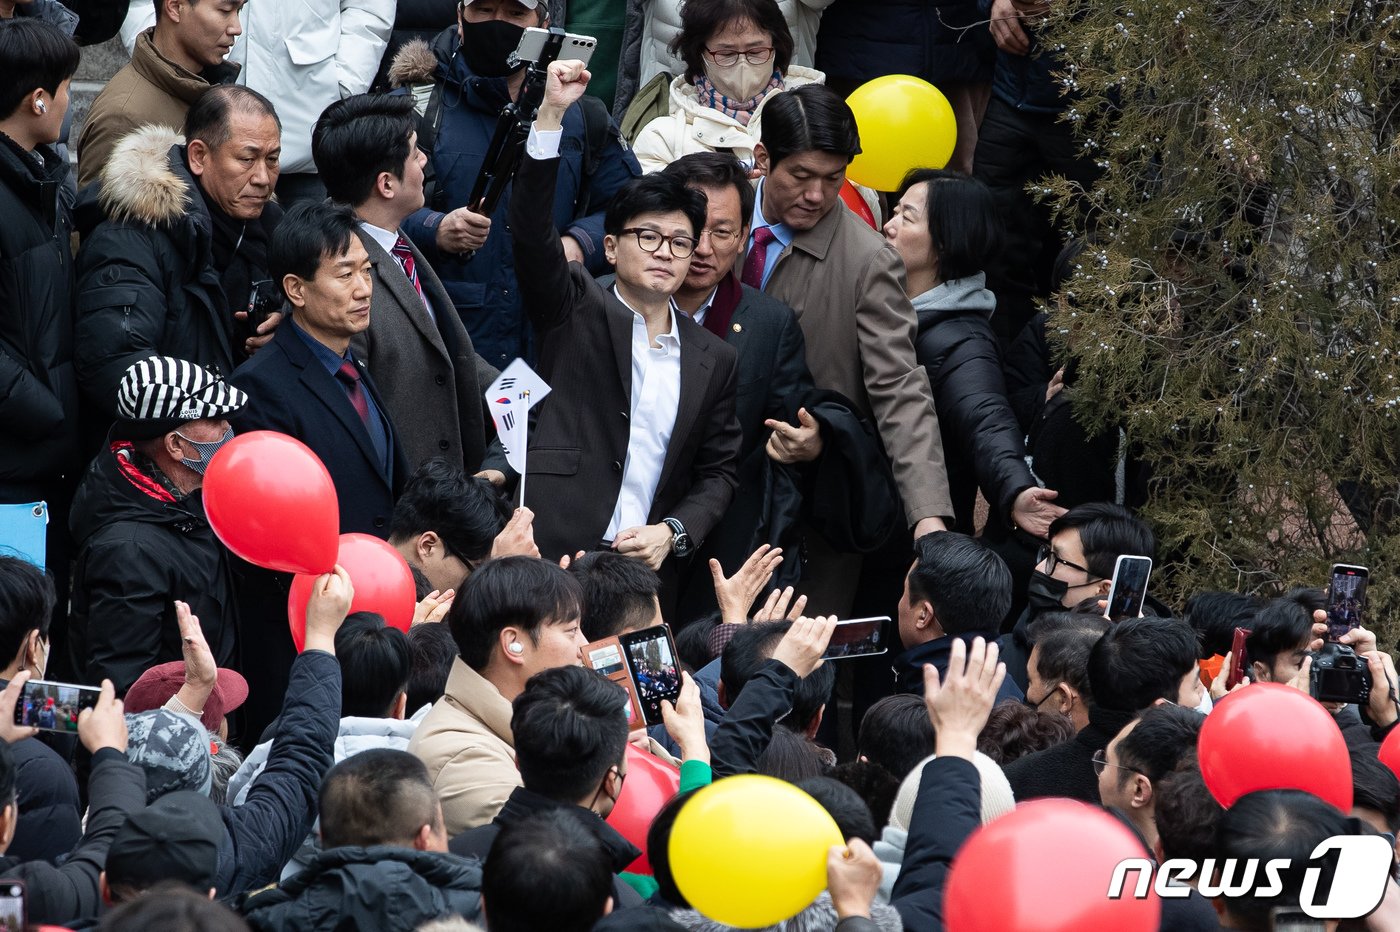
(983, 445)
(147, 285)
(60, 895)
(38, 387)
(382, 888)
(936, 40)
(947, 810)
(50, 816)
(136, 556)
(1067, 769)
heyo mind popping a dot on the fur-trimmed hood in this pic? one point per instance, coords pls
(414, 63)
(140, 180)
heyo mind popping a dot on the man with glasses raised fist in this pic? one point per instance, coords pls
(636, 448)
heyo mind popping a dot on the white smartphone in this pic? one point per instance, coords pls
(1130, 576)
(575, 48)
(859, 637)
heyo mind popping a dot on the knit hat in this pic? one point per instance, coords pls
(156, 686)
(997, 798)
(172, 749)
(158, 394)
(174, 838)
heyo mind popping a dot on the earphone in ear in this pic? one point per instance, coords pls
(516, 647)
(43, 107)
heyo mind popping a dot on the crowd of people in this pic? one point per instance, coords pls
(766, 414)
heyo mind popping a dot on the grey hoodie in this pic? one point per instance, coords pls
(960, 294)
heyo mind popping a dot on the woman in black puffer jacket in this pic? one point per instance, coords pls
(945, 228)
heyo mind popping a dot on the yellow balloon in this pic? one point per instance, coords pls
(750, 851)
(905, 123)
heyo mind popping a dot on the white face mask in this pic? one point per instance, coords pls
(1206, 703)
(740, 81)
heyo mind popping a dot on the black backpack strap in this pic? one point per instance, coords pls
(597, 127)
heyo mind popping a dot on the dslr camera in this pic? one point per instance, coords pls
(1338, 675)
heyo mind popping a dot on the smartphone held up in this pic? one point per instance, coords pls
(51, 706)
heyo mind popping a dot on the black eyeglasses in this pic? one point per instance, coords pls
(1101, 761)
(725, 58)
(1052, 560)
(650, 241)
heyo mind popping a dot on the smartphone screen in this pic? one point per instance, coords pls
(12, 911)
(1238, 650)
(651, 659)
(859, 637)
(54, 706)
(1346, 597)
(1129, 587)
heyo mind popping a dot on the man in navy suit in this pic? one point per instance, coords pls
(308, 384)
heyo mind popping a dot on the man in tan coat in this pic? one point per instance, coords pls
(847, 286)
(515, 617)
(174, 62)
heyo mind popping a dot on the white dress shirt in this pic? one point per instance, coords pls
(656, 394)
(388, 239)
(703, 309)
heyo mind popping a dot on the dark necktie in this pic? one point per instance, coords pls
(349, 376)
(410, 268)
(758, 258)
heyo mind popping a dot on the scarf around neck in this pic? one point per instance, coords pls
(741, 110)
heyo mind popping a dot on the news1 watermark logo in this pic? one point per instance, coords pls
(1363, 868)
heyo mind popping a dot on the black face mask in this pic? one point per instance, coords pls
(487, 47)
(1046, 593)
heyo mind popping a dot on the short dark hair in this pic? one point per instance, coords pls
(693, 641)
(376, 797)
(844, 805)
(431, 652)
(659, 849)
(523, 592)
(210, 119)
(1216, 615)
(374, 663)
(1141, 660)
(1374, 786)
(464, 511)
(812, 117)
(1163, 736)
(1014, 730)
(654, 194)
(26, 604)
(619, 592)
(357, 139)
(745, 655)
(547, 871)
(791, 756)
(309, 232)
(1106, 531)
(964, 580)
(896, 734)
(702, 19)
(1285, 824)
(1064, 641)
(962, 219)
(570, 728)
(1282, 625)
(715, 170)
(172, 905)
(1186, 813)
(873, 784)
(33, 55)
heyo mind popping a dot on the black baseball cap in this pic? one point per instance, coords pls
(176, 837)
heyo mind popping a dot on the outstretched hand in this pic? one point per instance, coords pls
(735, 594)
(958, 704)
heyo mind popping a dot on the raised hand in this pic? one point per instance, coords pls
(735, 594)
(958, 704)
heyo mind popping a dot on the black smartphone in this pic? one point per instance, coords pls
(264, 300)
(1346, 598)
(1130, 575)
(13, 908)
(54, 706)
(859, 637)
(651, 661)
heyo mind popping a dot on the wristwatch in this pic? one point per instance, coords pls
(680, 540)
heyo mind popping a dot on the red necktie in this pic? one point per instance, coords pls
(758, 257)
(410, 268)
(349, 376)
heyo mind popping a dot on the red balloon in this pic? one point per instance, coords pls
(853, 200)
(649, 785)
(1269, 736)
(271, 501)
(999, 881)
(381, 577)
(1390, 750)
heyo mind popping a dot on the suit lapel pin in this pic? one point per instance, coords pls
(738, 328)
